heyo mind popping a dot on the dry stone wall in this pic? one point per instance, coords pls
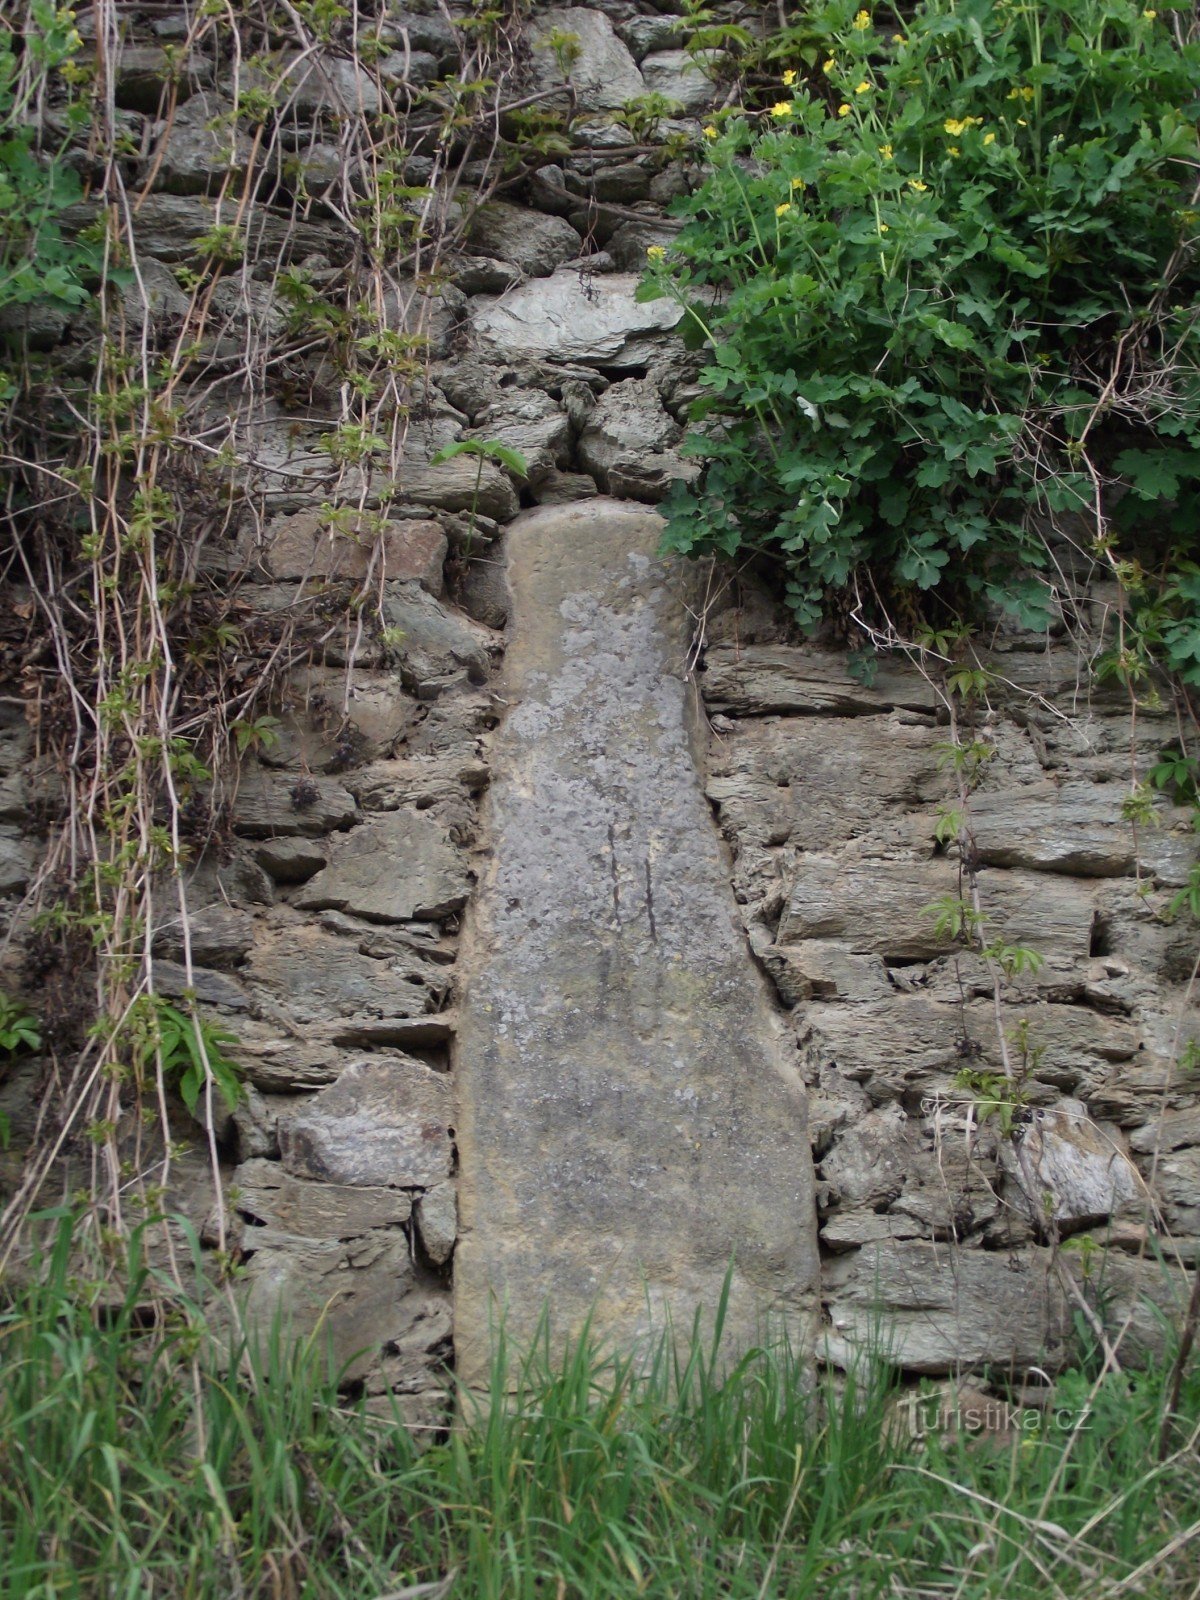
(829, 791)
(326, 915)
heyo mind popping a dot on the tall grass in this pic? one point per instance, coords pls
(139, 1462)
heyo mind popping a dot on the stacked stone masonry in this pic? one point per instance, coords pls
(325, 925)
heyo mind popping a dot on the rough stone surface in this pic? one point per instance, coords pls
(532, 243)
(291, 860)
(629, 1128)
(436, 1215)
(680, 77)
(557, 319)
(386, 1122)
(353, 1291)
(313, 975)
(1071, 1171)
(603, 74)
(266, 806)
(397, 866)
(627, 442)
(938, 1309)
(269, 1197)
(304, 545)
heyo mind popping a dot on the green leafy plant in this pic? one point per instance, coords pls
(945, 285)
(483, 450)
(191, 1050)
(19, 1029)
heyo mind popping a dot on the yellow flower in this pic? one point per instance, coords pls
(1149, 15)
(1021, 123)
(782, 211)
(710, 132)
(989, 138)
(885, 150)
(954, 126)
(915, 183)
(953, 150)
(781, 108)
(798, 183)
(862, 88)
(862, 21)
(898, 38)
(1022, 92)
(655, 252)
(828, 66)
(843, 110)
(789, 77)
(883, 228)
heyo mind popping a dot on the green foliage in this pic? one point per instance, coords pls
(140, 1458)
(18, 1027)
(38, 265)
(192, 1051)
(994, 1097)
(486, 450)
(914, 274)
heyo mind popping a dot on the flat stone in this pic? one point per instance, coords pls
(565, 489)
(603, 75)
(907, 1044)
(313, 975)
(17, 858)
(199, 149)
(686, 79)
(1175, 1131)
(644, 34)
(145, 71)
(217, 935)
(267, 805)
(629, 1122)
(387, 1121)
(398, 866)
(629, 430)
(433, 641)
(944, 1310)
(881, 906)
(291, 860)
(770, 678)
(306, 545)
(280, 1066)
(460, 484)
(170, 225)
(559, 319)
(483, 275)
(436, 1214)
(1075, 828)
(269, 1197)
(347, 1295)
(533, 242)
(1070, 1170)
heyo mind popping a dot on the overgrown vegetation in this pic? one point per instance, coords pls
(948, 283)
(589, 1480)
(143, 389)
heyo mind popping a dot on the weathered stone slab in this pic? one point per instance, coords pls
(398, 866)
(936, 1309)
(1070, 1170)
(386, 1122)
(882, 906)
(355, 1293)
(629, 1121)
(266, 806)
(558, 319)
(272, 1198)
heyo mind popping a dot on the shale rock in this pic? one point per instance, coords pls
(387, 1122)
(399, 865)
